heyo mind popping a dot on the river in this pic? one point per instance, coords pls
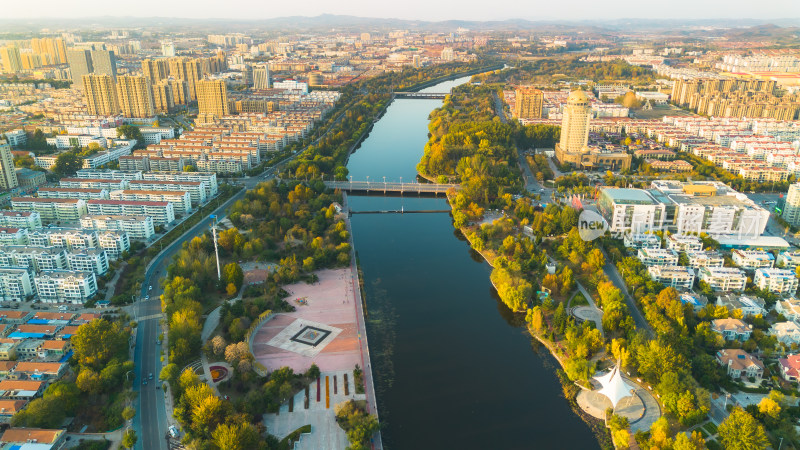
(453, 367)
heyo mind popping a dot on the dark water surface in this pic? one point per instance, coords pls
(454, 368)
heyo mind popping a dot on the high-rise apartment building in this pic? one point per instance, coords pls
(188, 70)
(52, 51)
(448, 54)
(80, 64)
(247, 75)
(104, 62)
(163, 100)
(12, 61)
(212, 100)
(528, 103)
(101, 96)
(180, 91)
(30, 60)
(575, 124)
(135, 96)
(791, 210)
(8, 175)
(168, 49)
(261, 78)
(155, 70)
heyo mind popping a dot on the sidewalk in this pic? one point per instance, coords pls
(372, 405)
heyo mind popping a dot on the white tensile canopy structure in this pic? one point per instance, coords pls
(614, 387)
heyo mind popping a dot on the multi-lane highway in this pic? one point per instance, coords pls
(150, 421)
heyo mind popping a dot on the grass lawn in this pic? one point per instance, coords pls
(703, 432)
(288, 442)
(713, 445)
(711, 428)
(579, 300)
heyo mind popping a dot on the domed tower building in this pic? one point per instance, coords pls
(575, 124)
(573, 147)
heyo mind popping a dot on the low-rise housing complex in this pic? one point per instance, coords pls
(732, 329)
(752, 259)
(679, 277)
(740, 364)
(748, 305)
(779, 281)
(657, 257)
(723, 278)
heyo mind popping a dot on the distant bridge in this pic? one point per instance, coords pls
(424, 95)
(402, 188)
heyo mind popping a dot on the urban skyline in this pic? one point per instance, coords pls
(419, 10)
(187, 199)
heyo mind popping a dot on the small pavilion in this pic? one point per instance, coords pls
(614, 386)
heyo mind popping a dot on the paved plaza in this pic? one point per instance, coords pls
(641, 409)
(590, 313)
(325, 432)
(323, 329)
(305, 337)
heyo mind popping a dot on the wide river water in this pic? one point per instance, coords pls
(453, 367)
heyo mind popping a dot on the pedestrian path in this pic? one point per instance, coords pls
(324, 394)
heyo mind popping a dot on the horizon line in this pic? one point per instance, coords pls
(509, 19)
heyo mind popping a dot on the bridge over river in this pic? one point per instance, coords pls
(393, 187)
(422, 95)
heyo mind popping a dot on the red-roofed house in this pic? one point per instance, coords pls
(790, 367)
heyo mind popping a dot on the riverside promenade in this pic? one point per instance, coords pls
(328, 329)
(369, 388)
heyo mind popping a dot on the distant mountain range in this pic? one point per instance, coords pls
(354, 23)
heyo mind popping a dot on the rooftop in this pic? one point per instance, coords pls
(630, 196)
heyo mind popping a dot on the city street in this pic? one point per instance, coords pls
(150, 421)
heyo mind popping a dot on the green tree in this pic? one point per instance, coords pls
(97, 342)
(231, 240)
(359, 425)
(242, 436)
(535, 318)
(131, 132)
(189, 168)
(169, 373)
(629, 100)
(89, 381)
(693, 442)
(40, 413)
(233, 273)
(128, 413)
(67, 163)
(312, 372)
(740, 431)
(769, 407)
(129, 438)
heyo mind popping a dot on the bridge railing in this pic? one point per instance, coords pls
(379, 186)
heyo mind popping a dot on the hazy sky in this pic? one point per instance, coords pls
(409, 9)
